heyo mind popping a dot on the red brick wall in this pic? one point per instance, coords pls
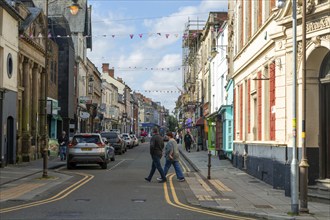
(249, 105)
(259, 100)
(241, 112)
(272, 100)
(242, 25)
(259, 13)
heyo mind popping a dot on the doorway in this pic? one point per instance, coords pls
(325, 118)
(10, 141)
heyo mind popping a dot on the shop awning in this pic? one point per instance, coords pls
(200, 122)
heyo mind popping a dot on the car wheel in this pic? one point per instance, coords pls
(70, 166)
(104, 165)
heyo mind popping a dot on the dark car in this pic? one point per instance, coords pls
(87, 148)
(115, 141)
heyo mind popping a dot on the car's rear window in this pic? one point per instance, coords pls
(86, 139)
(109, 135)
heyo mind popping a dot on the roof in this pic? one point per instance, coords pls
(80, 23)
(5, 4)
(34, 13)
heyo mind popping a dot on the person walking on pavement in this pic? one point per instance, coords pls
(188, 140)
(63, 142)
(156, 152)
(172, 157)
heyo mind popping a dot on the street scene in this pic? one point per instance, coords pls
(187, 109)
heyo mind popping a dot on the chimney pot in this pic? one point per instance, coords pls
(105, 67)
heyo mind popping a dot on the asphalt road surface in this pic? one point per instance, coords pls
(120, 192)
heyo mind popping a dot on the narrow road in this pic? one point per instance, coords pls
(120, 192)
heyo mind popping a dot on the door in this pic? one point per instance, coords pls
(10, 141)
(325, 118)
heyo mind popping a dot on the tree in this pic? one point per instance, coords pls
(172, 123)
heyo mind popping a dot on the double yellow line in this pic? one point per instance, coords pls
(178, 204)
(86, 178)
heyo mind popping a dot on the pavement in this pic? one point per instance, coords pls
(233, 191)
(229, 189)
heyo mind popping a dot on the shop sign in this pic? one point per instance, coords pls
(85, 100)
(84, 115)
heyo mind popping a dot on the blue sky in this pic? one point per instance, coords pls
(142, 41)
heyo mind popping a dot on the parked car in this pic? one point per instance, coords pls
(87, 148)
(110, 150)
(135, 140)
(115, 130)
(129, 141)
(115, 140)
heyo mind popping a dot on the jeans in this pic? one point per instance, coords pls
(188, 146)
(156, 165)
(176, 166)
(63, 152)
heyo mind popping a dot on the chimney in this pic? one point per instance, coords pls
(105, 67)
(111, 73)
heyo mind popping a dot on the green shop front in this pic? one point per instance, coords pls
(225, 113)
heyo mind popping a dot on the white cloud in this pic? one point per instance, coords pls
(149, 51)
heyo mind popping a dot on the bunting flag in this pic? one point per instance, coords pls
(157, 91)
(134, 68)
(131, 36)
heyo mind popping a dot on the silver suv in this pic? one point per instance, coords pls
(87, 148)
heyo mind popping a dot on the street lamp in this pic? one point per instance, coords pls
(74, 8)
(303, 163)
(294, 162)
(45, 91)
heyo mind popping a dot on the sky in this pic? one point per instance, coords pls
(142, 41)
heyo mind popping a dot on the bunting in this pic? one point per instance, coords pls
(157, 91)
(134, 68)
(131, 36)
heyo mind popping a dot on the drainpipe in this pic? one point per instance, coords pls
(303, 163)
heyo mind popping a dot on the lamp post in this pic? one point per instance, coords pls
(44, 126)
(294, 162)
(303, 163)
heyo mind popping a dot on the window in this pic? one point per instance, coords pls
(10, 66)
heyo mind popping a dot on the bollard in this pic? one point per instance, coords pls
(209, 165)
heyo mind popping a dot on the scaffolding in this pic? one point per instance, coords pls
(190, 45)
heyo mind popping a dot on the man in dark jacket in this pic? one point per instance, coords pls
(188, 140)
(63, 141)
(156, 152)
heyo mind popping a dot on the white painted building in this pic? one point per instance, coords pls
(262, 39)
(9, 23)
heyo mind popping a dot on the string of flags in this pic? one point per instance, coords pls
(157, 91)
(147, 68)
(131, 36)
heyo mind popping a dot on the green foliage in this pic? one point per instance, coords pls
(172, 123)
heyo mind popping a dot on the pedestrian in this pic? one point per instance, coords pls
(63, 141)
(172, 157)
(156, 152)
(177, 137)
(188, 140)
